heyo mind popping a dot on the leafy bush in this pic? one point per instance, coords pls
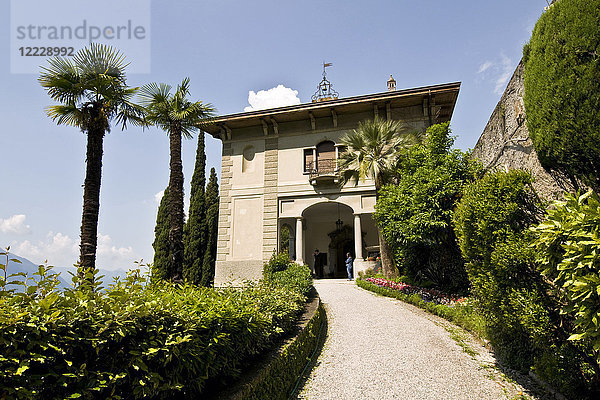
(136, 340)
(491, 223)
(562, 89)
(277, 262)
(416, 213)
(523, 320)
(569, 255)
(277, 380)
(296, 277)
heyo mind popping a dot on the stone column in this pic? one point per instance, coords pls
(270, 198)
(299, 244)
(358, 238)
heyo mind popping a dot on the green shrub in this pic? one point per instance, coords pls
(523, 320)
(416, 213)
(569, 256)
(562, 89)
(137, 341)
(491, 223)
(277, 262)
(277, 380)
(296, 277)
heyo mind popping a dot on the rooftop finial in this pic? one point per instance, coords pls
(391, 84)
(324, 90)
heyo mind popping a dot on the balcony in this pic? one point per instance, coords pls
(323, 172)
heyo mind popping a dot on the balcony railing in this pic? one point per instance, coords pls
(322, 171)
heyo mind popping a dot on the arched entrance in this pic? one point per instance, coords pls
(342, 243)
(329, 228)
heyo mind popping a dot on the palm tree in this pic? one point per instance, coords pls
(372, 151)
(92, 90)
(179, 117)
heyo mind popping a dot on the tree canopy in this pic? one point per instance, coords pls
(371, 151)
(194, 232)
(416, 212)
(92, 91)
(562, 90)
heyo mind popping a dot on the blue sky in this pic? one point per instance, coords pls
(228, 49)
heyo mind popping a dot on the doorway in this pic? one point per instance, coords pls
(342, 242)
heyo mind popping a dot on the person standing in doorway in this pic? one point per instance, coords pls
(349, 265)
(318, 263)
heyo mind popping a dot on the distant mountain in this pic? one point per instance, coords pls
(64, 276)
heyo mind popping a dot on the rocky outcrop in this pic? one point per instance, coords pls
(505, 142)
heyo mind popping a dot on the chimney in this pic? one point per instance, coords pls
(391, 83)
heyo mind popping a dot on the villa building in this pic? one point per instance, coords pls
(279, 172)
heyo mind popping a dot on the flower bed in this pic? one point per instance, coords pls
(428, 295)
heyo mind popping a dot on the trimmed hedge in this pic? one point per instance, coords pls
(276, 381)
(137, 341)
(562, 90)
(492, 222)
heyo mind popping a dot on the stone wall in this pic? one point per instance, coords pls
(505, 142)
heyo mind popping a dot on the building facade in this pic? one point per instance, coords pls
(279, 179)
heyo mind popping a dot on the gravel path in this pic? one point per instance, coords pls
(381, 348)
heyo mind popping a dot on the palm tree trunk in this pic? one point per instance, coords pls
(387, 260)
(91, 197)
(176, 204)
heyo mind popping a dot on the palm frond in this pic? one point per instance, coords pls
(165, 109)
(372, 149)
(100, 59)
(154, 93)
(62, 80)
(94, 79)
(67, 114)
(131, 113)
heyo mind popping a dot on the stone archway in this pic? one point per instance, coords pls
(319, 222)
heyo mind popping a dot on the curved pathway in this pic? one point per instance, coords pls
(382, 348)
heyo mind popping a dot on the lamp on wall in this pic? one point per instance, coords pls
(339, 223)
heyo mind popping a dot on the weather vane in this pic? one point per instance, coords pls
(324, 89)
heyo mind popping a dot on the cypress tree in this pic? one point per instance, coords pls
(195, 229)
(562, 90)
(161, 268)
(212, 222)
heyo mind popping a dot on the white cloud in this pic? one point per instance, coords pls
(158, 196)
(483, 67)
(497, 72)
(505, 74)
(60, 250)
(275, 97)
(63, 251)
(111, 257)
(15, 224)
